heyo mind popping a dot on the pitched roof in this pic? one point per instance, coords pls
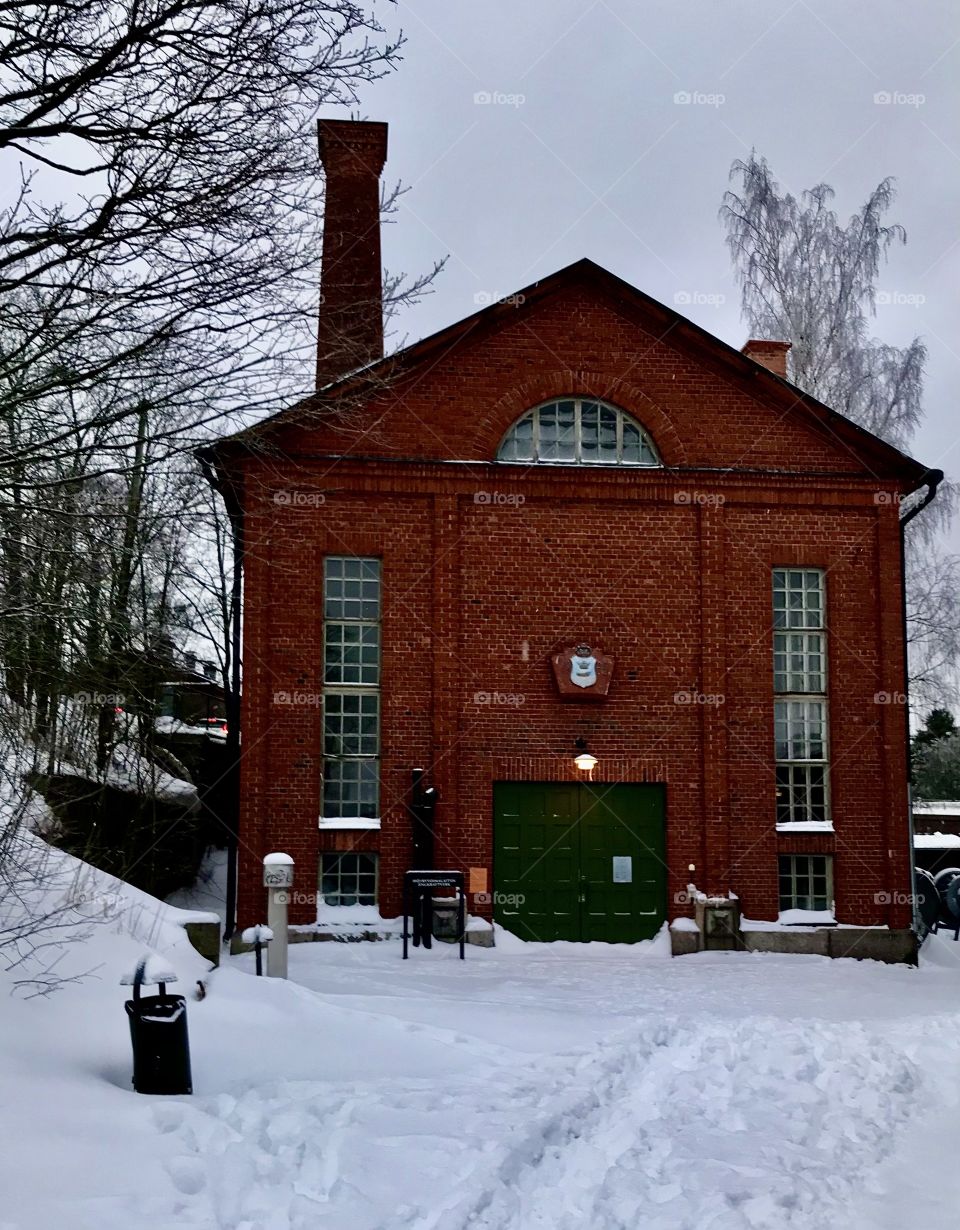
(881, 457)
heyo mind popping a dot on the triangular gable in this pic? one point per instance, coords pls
(858, 448)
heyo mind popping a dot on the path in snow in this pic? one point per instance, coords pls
(736, 1104)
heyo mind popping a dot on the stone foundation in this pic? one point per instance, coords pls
(897, 947)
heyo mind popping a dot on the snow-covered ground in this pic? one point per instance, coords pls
(529, 1086)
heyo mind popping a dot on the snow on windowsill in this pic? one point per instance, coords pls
(936, 841)
(808, 918)
(352, 823)
(806, 826)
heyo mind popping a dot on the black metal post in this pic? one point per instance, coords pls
(406, 912)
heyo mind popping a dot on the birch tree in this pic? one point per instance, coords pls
(810, 279)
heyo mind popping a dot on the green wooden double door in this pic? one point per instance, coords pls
(578, 861)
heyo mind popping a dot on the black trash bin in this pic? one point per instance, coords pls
(161, 1046)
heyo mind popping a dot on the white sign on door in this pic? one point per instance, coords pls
(622, 869)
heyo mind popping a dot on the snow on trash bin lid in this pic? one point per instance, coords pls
(155, 970)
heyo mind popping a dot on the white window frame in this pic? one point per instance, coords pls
(646, 443)
(332, 812)
(808, 859)
(339, 873)
(800, 709)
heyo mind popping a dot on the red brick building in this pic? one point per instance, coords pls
(572, 481)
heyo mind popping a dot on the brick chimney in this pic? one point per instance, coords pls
(772, 355)
(350, 331)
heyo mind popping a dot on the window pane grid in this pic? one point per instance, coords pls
(578, 432)
(806, 881)
(798, 598)
(802, 794)
(800, 729)
(350, 788)
(351, 588)
(351, 724)
(799, 662)
(351, 653)
(348, 878)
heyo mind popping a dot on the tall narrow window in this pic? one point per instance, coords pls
(351, 692)
(800, 696)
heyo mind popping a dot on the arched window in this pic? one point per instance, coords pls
(578, 431)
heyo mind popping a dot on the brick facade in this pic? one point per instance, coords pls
(489, 568)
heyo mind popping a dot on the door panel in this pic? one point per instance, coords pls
(579, 861)
(536, 874)
(623, 901)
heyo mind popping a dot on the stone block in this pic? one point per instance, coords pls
(205, 937)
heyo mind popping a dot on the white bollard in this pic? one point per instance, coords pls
(277, 880)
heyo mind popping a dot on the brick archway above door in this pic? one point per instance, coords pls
(562, 769)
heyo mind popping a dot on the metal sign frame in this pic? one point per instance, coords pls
(416, 884)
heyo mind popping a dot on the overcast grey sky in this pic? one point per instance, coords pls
(535, 132)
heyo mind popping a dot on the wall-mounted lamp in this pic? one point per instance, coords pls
(583, 759)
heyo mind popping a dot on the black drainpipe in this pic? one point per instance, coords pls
(235, 514)
(934, 479)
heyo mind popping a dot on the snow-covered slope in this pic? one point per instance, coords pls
(58, 911)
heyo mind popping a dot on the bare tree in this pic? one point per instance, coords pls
(809, 279)
(166, 227)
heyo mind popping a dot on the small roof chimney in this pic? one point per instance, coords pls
(772, 355)
(350, 331)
